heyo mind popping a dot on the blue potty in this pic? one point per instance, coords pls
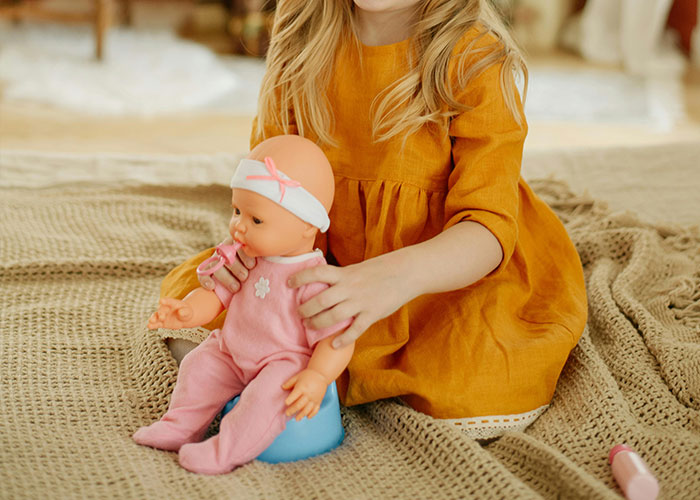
(307, 437)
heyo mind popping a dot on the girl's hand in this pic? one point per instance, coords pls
(230, 276)
(308, 388)
(368, 291)
(171, 313)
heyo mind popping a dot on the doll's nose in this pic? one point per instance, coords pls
(239, 226)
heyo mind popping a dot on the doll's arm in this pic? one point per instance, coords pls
(198, 308)
(309, 385)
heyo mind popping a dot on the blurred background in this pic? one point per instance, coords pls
(182, 76)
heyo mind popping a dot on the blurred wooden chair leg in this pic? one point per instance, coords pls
(103, 19)
(100, 17)
(127, 12)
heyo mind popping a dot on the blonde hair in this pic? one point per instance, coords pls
(305, 38)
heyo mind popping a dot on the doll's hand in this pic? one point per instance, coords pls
(231, 276)
(367, 291)
(308, 388)
(171, 313)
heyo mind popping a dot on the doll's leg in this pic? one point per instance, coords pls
(206, 381)
(250, 427)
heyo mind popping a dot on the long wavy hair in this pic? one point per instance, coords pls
(307, 33)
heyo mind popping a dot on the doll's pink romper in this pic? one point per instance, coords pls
(261, 345)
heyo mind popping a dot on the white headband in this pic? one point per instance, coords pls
(264, 178)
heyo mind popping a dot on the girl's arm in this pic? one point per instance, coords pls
(373, 289)
(454, 259)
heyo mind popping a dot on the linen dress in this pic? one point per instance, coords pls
(492, 350)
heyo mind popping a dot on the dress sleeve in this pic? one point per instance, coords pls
(313, 337)
(487, 146)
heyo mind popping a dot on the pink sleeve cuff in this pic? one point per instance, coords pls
(225, 295)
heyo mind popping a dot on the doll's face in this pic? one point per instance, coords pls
(266, 229)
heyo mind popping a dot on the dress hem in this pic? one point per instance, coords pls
(492, 426)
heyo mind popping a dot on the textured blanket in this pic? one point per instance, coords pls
(80, 267)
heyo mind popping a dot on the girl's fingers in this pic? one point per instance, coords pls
(230, 276)
(327, 299)
(239, 270)
(247, 261)
(224, 276)
(207, 282)
(353, 332)
(324, 273)
(330, 317)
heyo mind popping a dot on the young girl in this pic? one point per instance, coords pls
(465, 291)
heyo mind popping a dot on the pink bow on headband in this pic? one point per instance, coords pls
(274, 176)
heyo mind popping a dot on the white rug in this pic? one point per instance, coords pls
(603, 96)
(143, 73)
(148, 73)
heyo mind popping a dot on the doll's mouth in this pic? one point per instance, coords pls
(238, 240)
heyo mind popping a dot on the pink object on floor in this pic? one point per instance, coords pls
(632, 474)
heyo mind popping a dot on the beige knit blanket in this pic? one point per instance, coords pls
(80, 271)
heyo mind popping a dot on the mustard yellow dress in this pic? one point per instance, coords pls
(494, 349)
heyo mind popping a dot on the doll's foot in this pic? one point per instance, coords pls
(203, 458)
(164, 436)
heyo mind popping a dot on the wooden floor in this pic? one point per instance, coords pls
(568, 135)
(37, 128)
(26, 126)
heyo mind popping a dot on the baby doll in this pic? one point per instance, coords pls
(281, 195)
